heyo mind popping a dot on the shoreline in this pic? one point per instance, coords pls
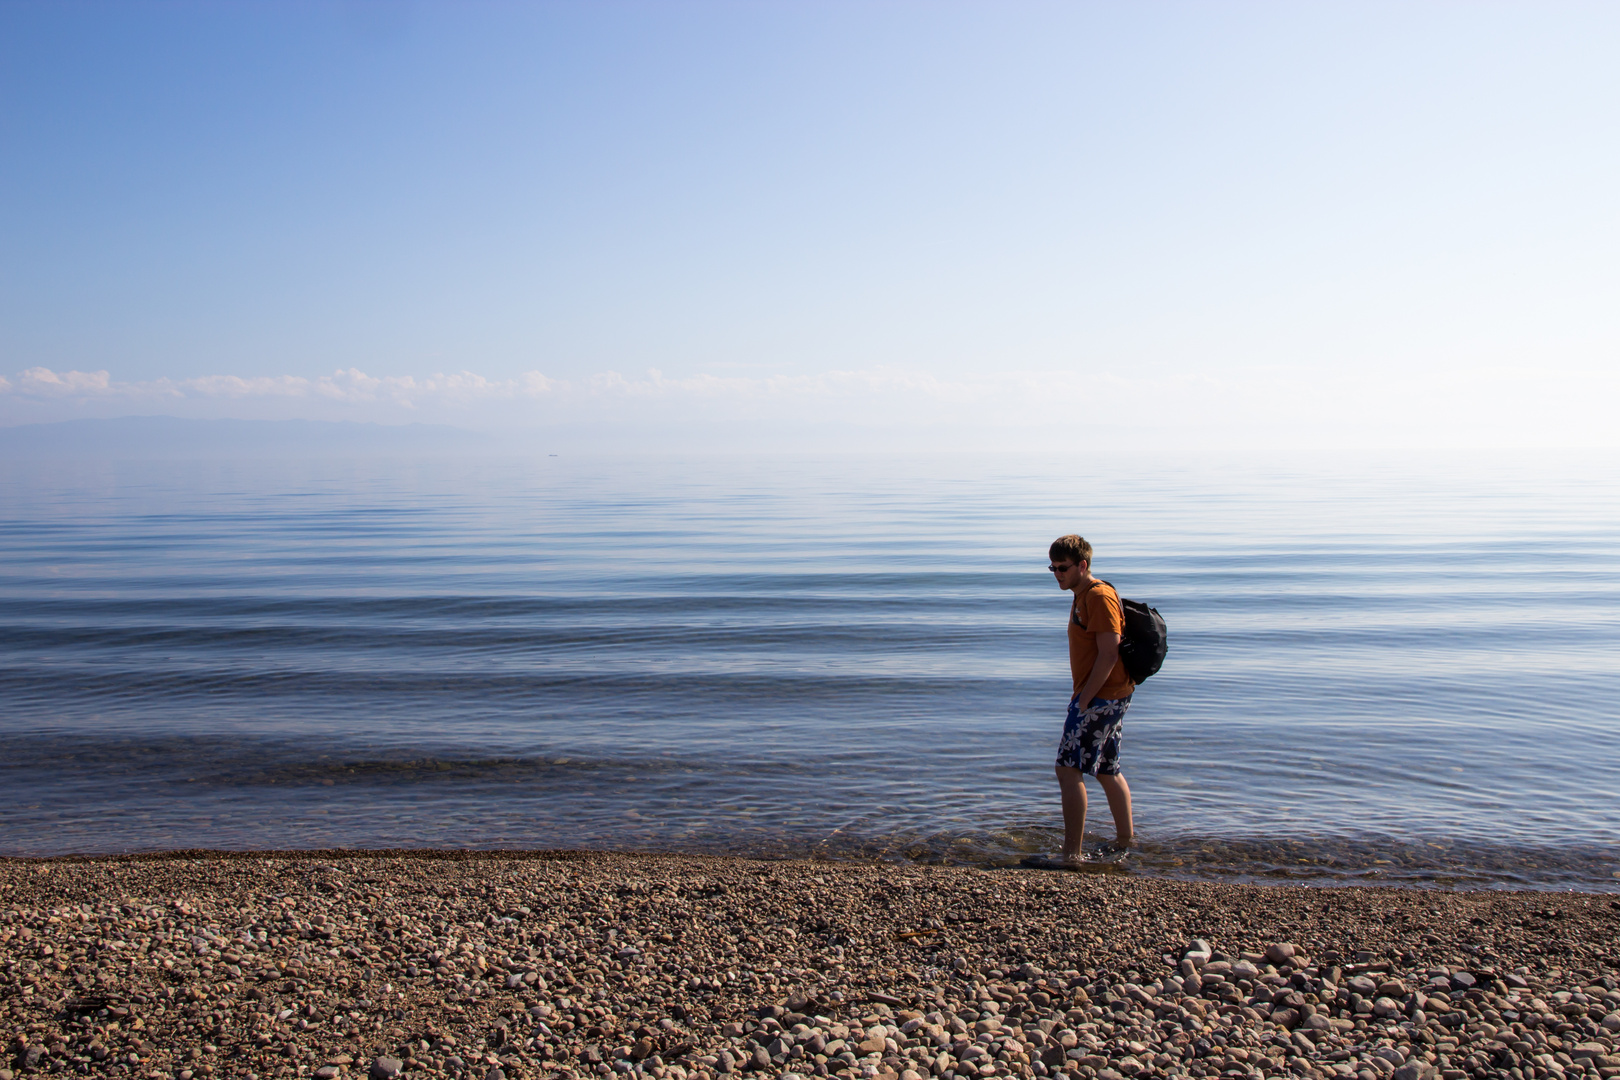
(1380, 862)
(684, 967)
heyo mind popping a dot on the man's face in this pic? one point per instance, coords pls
(1067, 572)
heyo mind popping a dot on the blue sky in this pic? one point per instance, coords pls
(819, 224)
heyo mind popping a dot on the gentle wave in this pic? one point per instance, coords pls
(1389, 676)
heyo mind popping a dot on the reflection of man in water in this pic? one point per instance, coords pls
(1102, 693)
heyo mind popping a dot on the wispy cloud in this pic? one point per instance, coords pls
(1480, 404)
(649, 406)
(822, 384)
(345, 385)
(43, 382)
(356, 386)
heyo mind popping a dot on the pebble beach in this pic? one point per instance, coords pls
(572, 965)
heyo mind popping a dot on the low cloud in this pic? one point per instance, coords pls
(827, 384)
(877, 406)
(43, 382)
(349, 385)
(1500, 404)
(355, 386)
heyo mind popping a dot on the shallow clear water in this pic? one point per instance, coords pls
(1379, 671)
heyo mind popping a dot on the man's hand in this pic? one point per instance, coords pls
(1107, 657)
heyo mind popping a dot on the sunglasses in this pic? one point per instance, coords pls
(1056, 569)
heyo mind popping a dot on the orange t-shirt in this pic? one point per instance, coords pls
(1096, 611)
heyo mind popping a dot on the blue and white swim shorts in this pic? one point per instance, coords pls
(1091, 736)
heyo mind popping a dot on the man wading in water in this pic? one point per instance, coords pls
(1102, 693)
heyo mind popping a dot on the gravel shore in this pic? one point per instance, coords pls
(688, 968)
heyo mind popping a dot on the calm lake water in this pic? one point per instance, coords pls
(1379, 671)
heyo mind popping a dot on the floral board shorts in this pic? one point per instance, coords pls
(1091, 736)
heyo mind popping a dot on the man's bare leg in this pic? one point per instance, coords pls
(1119, 804)
(1073, 787)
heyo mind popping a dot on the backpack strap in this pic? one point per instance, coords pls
(1075, 608)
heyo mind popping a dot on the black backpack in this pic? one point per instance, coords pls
(1145, 641)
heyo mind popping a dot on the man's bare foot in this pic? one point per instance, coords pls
(1055, 862)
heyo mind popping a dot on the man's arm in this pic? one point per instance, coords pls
(1107, 657)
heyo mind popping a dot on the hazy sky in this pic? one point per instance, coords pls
(818, 223)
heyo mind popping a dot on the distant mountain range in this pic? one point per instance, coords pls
(170, 436)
